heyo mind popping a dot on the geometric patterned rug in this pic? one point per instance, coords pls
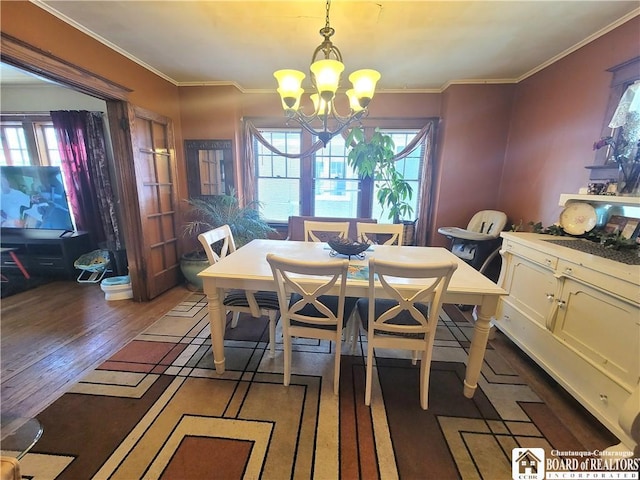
(158, 410)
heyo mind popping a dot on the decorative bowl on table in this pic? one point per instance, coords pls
(348, 247)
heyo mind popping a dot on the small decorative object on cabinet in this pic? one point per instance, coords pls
(577, 315)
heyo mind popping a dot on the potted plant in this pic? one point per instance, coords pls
(374, 158)
(245, 222)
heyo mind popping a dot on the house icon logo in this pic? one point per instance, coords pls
(527, 464)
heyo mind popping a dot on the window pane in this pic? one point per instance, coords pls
(278, 177)
(51, 143)
(410, 167)
(15, 146)
(280, 198)
(336, 185)
(336, 198)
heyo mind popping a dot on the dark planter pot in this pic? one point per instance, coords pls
(191, 265)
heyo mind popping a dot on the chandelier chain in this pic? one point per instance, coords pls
(327, 26)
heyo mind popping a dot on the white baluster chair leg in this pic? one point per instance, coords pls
(369, 377)
(273, 318)
(234, 319)
(355, 331)
(287, 360)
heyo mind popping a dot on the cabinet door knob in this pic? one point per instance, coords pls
(561, 303)
(568, 271)
(604, 398)
(550, 296)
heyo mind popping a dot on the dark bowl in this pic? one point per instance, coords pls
(347, 246)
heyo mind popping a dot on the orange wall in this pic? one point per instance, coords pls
(558, 113)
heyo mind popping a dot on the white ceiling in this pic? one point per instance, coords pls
(416, 45)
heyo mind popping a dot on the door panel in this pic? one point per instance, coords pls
(148, 180)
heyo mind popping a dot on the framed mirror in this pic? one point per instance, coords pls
(624, 131)
(209, 167)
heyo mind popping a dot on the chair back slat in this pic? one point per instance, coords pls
(323, 231)
(210, 237)
(391, 233)
(310, 280)
(436, 277)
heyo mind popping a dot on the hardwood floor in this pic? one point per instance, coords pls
(52, 335)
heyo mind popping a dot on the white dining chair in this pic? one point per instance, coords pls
(318, 231)
(380, 233)
(407, 319)
(241, 301)
(308, 312)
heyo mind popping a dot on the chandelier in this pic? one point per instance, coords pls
(325, 122)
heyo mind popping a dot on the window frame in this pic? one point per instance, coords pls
(366, 196)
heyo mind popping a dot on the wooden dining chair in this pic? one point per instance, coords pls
(407, 319)
(309, 312)
(241, 301)
(380, 233)
(316, 231)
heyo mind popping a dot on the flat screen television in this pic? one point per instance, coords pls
(33, 197)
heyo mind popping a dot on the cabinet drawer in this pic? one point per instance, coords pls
(9, 262)
(617, 286)
(515, 323)
(598, 393)
(536, 256)
(44, 262)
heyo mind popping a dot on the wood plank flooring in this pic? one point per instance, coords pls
(52, 335)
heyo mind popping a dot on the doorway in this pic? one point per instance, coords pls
(151, 274)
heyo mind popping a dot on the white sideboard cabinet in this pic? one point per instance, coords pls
(578, 316)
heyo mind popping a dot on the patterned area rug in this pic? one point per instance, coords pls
(158, 410)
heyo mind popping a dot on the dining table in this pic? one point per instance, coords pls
(247, 269)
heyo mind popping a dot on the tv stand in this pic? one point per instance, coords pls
(44, 252)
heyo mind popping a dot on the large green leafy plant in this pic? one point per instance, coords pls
(374, 158)
(246, 222)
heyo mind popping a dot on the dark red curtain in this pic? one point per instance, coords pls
(81, 144)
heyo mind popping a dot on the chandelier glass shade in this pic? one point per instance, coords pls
(325, 122)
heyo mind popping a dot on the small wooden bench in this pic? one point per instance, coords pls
(296, 225)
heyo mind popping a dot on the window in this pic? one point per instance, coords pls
(28, 141)
(323, 184)
(278, 177)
